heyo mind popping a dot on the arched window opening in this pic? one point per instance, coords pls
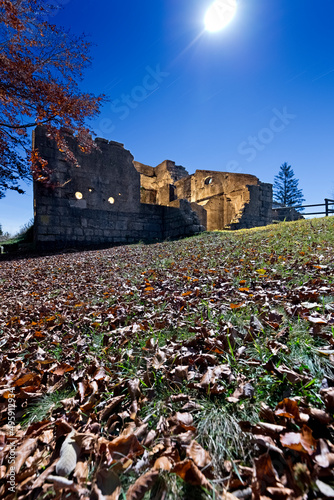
(208, 181)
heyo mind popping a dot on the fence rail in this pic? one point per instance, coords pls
(327, 210)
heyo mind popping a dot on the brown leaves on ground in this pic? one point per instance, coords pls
(143, 484)
(106, 486)
(69, 452)
(119, 351)
(189, 472)
(302, 441)
(198, 455)
(292, 459)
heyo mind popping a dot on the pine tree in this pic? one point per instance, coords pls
(286, 191)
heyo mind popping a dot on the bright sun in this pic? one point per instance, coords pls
(220, 14)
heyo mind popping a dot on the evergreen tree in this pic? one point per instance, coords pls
(286, 191)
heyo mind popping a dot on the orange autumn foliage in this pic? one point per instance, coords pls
(40, 67)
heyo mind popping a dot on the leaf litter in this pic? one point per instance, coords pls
(201, 368)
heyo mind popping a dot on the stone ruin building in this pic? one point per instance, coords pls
(112, 199)
(233, 201)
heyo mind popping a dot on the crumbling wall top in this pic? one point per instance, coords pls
(105, 180)
(144, 169)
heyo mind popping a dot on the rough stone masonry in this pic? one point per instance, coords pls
(98, 204)
(111, 199)
(230, 200)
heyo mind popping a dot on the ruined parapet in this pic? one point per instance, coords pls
(201, 214)
(98, 203)
(157, 183)
(222, 194)
(105, 180)
(208, 183)
(187, 224)
(257, 211)
(193, 211)
(229, 199)
(143, 169)
(184, 188)
(168, 171)
(148, 183)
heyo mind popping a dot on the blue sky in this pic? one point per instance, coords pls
(246, 99)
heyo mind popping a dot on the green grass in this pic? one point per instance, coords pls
(192, 285)
(14, 243)
(43, 407)
(219, 431)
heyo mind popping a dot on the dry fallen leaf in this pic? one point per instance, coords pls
(200, 456)
(24, 451)
(69, 453)
(162, 463)
(190, 473)
(300, 441)
(124, 447)
(288, 409)
(106, 485)
(325, 489)
(143, 484)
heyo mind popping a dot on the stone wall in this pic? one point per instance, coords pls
(99, 203)
(286, 214)
(222, 194)
(157, 184)
(61, 226)
(229, 199)
(258, 210)
(112, 199)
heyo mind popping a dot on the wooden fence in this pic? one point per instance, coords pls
(326, 212)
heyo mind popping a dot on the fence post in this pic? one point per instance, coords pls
(327, 208)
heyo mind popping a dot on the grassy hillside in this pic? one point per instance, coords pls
(195, 369)
(22, 241)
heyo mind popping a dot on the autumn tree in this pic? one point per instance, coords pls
(286, 191)
(40, 68)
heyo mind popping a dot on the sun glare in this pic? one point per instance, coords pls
(220, 14)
